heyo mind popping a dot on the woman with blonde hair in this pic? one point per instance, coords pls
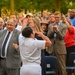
(36, 26)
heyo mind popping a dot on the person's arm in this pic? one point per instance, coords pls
(50, 32)
(24, 24)
(68, 25)
(21, 38)
(16, 46)
(60, 33)
(48, 42)
(67, 22)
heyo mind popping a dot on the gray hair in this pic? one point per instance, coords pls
(14, 21)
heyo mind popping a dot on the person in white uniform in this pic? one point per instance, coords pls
(30, 51)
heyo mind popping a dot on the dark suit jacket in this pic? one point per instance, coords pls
(59, 45)
(13, 56)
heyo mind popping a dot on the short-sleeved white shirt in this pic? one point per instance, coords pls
(30, 49)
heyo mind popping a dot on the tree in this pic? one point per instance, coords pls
(12, 6)
(38, 5)
(2, 4)
(58, 3)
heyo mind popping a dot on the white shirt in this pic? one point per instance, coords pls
(6, 43)
(30, 49)
(19, 28)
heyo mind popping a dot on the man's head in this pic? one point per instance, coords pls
(4, 16)
(29, 17)
(57, 16)
(10, 25)
(72, 13)
(52, 18)
(28, 32)
(45, 13)
(21, 16)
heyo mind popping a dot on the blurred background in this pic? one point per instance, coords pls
(15, 6)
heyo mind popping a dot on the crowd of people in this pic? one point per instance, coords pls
(26, 40)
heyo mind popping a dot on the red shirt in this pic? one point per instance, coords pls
(70, 37)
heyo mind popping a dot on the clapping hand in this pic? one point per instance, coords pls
(55, 28)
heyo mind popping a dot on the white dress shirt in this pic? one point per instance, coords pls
(6, 43)
(30, 49)
(19, 28)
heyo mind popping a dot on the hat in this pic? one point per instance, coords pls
(29, 14)
(44, 22)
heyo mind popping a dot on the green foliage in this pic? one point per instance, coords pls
(37, 5)
(64, 6)
(3, 3)
(22, 4)
(34, 5)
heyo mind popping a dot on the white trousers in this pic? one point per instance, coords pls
(30, 69)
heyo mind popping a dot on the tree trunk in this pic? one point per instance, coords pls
(58, 2)
(25, 11)
(12, 6)
(41, 12)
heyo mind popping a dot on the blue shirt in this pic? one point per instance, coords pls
(72, 21)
